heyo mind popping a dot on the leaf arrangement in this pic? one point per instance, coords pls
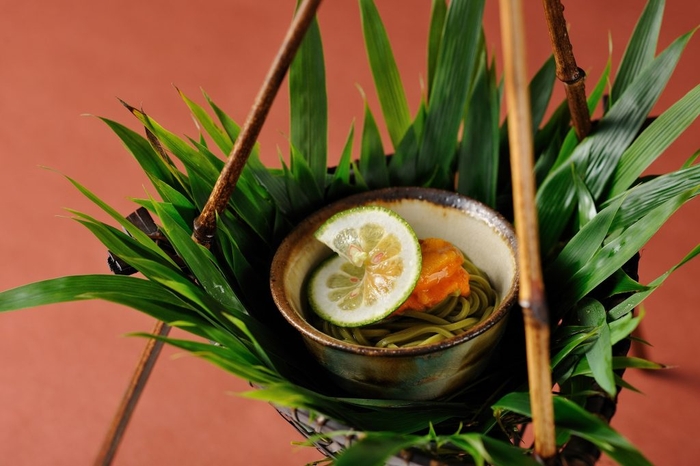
(595, 214)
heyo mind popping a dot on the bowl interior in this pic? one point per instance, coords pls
(482, 234)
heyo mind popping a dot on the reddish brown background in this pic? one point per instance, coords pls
(63, 368)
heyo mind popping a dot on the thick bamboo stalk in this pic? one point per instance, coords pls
(532, 298)
(121, 419)
(568, 72)
(205, 224)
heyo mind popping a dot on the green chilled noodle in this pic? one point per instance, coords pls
(453, 316)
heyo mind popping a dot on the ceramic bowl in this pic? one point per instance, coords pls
(418, 373)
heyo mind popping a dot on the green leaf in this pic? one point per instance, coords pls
(478, 156)
(586, 203)
(541, 88)
(142, 238)
(597, 155)
(438, 12)
(623, 327)
(304, 176)
(571, 345)
(372, 157)
(182, 204)
(218, 135)
(584, 244)
(308, 105)
(340, 182)
(641, 199)
(620, 249)
(621, 362)
(236, 360)
(453, 74)
(620, 283)
(404, 164)
(633, 301)
(599, 356)
(149, 160)
(274, 185)
(200, 261)
(373, 449)
(242, 270)
(568, 415)
(387, 80)
(654, 141)
(640, 48)
(81, 287)
(193, 160)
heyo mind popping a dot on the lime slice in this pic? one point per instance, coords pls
(377, 265)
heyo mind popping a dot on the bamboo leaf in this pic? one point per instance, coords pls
(641, 199)
(404, 163)
(453, 74)
(438, 12)
(151, 163)
(598, 155)
(81, 287)
(574, 343)
(633, 301)
(654, 141)
(373, 449)
(340, 183)
(237, 360)
(620, 125)
(621, 362)
(372, 156)
(599, 356)
(308, 105)
(623, 283)
(298, 197)
(275, 186)
(304, 176)
(182, 204)
(237, 261)
(139, 236)
(193, 160)
(640, 49)
(620, 249)
(568, 415)
(218, 135)
(478, 156)
(200, 261)
(586, 204)
(387, 80)
(541, 88)
(623, 327)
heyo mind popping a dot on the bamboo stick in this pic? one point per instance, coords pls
(568, 72)
(532, 298)
(205, 224)
(121, 419)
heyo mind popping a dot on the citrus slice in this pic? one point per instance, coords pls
(377, 265)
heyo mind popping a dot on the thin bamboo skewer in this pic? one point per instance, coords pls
(532, 298)
(573, 77)
(205, 224)
(131, 396)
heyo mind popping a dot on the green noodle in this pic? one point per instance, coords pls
(453, 316)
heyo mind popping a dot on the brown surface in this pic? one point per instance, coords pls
(65, 367)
